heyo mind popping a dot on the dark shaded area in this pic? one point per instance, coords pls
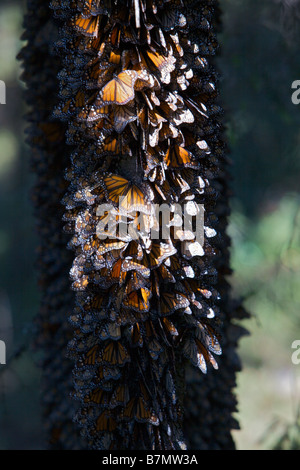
(259, 61)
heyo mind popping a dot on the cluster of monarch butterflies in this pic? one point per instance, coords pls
(137, 108)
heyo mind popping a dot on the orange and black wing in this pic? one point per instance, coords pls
(119, 90)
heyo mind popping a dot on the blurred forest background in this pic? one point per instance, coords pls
(260, 46)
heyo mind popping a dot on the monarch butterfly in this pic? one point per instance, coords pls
(129, 264)
(71, 214)
(156, 118)
(166, 274)
(110, 245)
(168, 130)
(205, 355)
(94, 46)
(123, 115)
(136, 409)
(104, 375)
(96, 396)
(114, 275)
(84, 222)
(98, 74)
(169, 327)
(136, 281)
(132, 197)
(119, 90)
(159, 252)
(157, 62)
(105, 422)
(162, 274)
(199, 107)
(206, 293)
(152, 162)
(138, 300)
(115, 36)
(110, 331)
(155, 348)
(169, 302)
(206, 334)
(92, 355)
(88, 26)
(177, 157)
(93, 303)
(70, 106)
(167, 18)
(150, 333)
(91, 245)
(153, 136)
(136, 336)
(124, 316)
(93, 7)
(120, 396)
(144, 79)
(80, 284)
(180, 180)
(182, 116)
(111, 144)
(115, 354)
(195, 354)
(128, 34)
(115, 57)
(176, 43)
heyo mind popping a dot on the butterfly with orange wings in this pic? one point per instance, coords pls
(105, 422)
(115, 354)
(198, 354)
(128, 196)
(119, 90)
(178, 157)
(138, 300)
(87, 26)
(137, 409)
(161, 64)
(93, 7)
(69, 107)
(123, 115)
(169, 302)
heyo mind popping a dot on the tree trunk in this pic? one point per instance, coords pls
(146, 207)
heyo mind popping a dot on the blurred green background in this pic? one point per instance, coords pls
(260, 45)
